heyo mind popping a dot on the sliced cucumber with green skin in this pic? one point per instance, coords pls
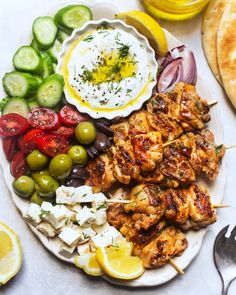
(16, 105)
(38, 78)
(35, 45)
(55, 50)
(47, 64)
(50, 91)
(27, 59)
(54, 66)
(32, 102)
(18, 84)
(72, 17)
(62, 36)
(45, 31)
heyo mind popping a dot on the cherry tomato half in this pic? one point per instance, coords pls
(70, 116)
(27, 143)
(19, 165)
(9, 147)
(52, 144)
(43, 118)
(13, 124)
(66, 131)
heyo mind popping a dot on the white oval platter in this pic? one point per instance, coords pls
(195, 238)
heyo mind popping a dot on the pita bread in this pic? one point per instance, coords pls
(210, 26)
(226, 50)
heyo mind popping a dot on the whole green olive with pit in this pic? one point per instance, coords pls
(24, 186)
(37, 160)
(46, 186)
(36, 174)
(35, 198)
(85, 132)
(60, 166)
(78, 155)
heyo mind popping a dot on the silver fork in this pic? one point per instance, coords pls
(225, 257)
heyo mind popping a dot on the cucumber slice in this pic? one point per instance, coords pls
(72, 16)
(3, 102)
(54, 66)
(16, 105)
(47, 64)
(62, 36)
(27, 59)
(50, 91)
(55, 50)
(32, 102)
(38, 78)
(20, 84)
(35, 45)
(45, 31)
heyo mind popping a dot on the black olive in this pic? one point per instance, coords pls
(105, 129)
(74, 182)
(102, 142)
(79, 173)
(117, 120)
(92, 151)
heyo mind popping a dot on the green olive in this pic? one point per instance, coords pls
(60, 166)
(37, 160)
(46, 186)
(39, 200)
(78, 154)
(85, 132)
(36, 174)
(24, 186)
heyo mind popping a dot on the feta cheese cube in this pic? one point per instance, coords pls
(100, 228)
(106, 238)
(99, 201)
(57, 216)
(83, 249)
(75, 208)
(85, 216)
(46, 206)
(101, 217)
(46, 229)
(33, 215)
(66, 195)
(88, 233)
(70, 236)
(85, 194)
(66, 251)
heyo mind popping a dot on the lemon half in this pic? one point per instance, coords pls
(89, 264)
(10, 254)
(117, 262)
(148, 27)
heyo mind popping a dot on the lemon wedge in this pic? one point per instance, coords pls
(10, 254)
(148, 27)
(117, 262)
(89, 264)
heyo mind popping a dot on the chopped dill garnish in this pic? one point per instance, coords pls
(128, 92)
(88, 39)
(118, 90)
(117, 37)
(123, 50)
(218, 148)
(87, 76)
(102, 206)
(116, 68)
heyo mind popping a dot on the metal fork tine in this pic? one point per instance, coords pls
(233, 233)
(220, 235)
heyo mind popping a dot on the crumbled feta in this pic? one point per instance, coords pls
(85, 216)
(46, 229)
(83, 249)
(101, 217)
(66, 195)
(100, 228)
(99, 201)
(34, 214)
(88, 233)
(106, 238)
(66, 251)
(70, 236)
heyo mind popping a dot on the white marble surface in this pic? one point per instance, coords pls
(41, 273)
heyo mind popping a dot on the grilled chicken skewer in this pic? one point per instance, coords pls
(143, 159)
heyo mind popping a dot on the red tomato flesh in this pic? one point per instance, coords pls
(43, 118)
(66, 131)
(27, 143)
(9, 147)
(13, 124)
(52, 144)
(70, 116)
(19, 165)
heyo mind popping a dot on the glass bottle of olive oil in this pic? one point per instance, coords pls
(174, 9)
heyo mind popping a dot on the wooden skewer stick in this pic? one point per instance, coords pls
(228, 147)
(220, 206)
(212, 103)
(118, 201)
(169, 142)
(177, 268)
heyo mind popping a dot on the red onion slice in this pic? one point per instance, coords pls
(172, 72)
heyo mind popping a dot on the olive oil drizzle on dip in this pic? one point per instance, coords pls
(106, 69)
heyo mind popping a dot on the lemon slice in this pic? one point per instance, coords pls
(117, 262)
(148, 27)
(89, 264)
(10, 254)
